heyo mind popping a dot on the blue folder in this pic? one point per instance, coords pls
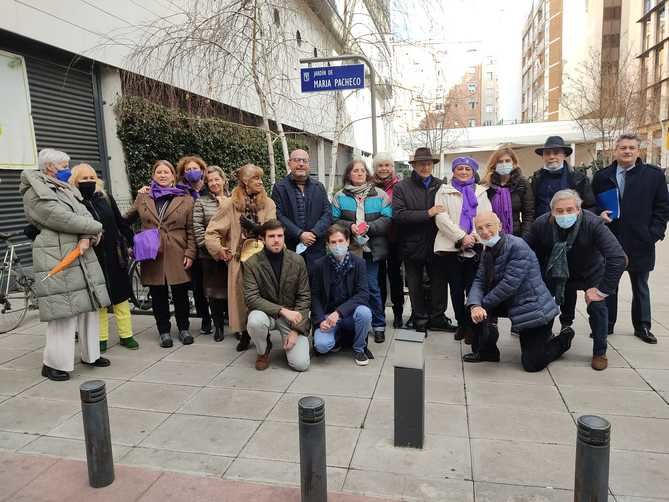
(610, 201)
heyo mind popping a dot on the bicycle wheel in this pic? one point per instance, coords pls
(140, 295)
(14, 302)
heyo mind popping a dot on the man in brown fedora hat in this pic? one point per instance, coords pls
(414, 211)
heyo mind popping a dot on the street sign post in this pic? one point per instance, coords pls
(333, 78)
(354, 78)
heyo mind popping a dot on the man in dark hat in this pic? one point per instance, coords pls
(553, 176)
(413, 212)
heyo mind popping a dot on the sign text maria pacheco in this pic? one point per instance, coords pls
(333, 78)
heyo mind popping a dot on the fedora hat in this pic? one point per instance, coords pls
(554, 142)
(423, 153)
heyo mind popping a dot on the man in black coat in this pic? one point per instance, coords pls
(303, 207)
(340, 298)
(577, 252)
(553, 176)
(413, 212)
(644, 211)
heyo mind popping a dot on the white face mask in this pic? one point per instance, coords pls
(492, 241)
(503, 168)
(553, 166)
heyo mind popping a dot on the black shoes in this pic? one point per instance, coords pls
(645, 335)
(54, 374)
(165, 340)
(100, 362)
(442, 323)
(459, 334)
(185, 337)
(206, 329)
(244, 342)
(219, 334)
(477, 357)
(379, 336)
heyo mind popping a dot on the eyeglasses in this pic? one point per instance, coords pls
(300, 160)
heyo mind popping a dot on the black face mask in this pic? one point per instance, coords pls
(87, 189)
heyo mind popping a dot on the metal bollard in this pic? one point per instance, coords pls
(313, 473)
(592, 459)
(409, 401)
(97, 433)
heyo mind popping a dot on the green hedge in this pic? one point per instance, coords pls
(150, 132)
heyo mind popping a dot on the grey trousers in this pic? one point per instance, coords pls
(259, 325)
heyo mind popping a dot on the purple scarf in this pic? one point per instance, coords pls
(501, 206)
(156, 191)
(469, 202)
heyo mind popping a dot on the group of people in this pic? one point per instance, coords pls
(303, 263)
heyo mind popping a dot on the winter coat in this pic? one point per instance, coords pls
(644, 211)
(225, 232)
(262, 290)
(576, 180)
(176, 239)
(416, 229)
(204, 209)
(317, 214)
(57, 210)
(522, 201)
(518, 287)
(378, 214)
(596, 259)
(355, 284)
(448, 222)
(112, 251)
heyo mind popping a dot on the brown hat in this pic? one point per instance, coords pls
(423, 153)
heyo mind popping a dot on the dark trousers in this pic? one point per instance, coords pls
(568, 307)
(432, 303)
(160, 301)
(391, 268)
(461, 273)
(598, 317)
(641, 317)
(218, 309)
(197, 285)
(537, 348)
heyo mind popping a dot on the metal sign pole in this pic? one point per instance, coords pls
(372, 83)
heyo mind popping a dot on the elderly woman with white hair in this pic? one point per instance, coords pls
(69, 300)
(385, 179)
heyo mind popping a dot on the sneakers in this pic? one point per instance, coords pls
(599, 363)
(185, 337)
(379, 336)
(360, 358)
(128, 343)
(165, 340)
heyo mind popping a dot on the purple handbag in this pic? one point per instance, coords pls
(147, 244)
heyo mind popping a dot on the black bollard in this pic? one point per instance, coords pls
(313, 473)
(592, 459)
(97, 433)
(409, 394)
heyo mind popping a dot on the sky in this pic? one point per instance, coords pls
(468, 30)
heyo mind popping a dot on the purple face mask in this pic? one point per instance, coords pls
(193, 176)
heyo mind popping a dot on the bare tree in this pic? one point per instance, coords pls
(604, 100)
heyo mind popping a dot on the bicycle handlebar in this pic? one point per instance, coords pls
(5, 236)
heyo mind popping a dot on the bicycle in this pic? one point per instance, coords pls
(16, 286)
(140, 295)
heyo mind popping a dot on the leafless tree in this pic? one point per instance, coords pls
(604, 99)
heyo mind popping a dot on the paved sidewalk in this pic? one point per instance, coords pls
(495, 433)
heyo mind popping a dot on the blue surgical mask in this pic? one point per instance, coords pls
(193, 176)
(503, 168)
(566, 220)
(64, 174)
(338, 250)
(552, 168)
(492, 241)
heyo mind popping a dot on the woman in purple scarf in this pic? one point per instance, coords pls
(509, 192)
(462, 199)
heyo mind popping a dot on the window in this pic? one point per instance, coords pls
(490, 75)
(277, 18)
(489, 108)
(647, 5)
(661, 22)
(471, 87)
(315, 52)
(472, 105)
(298, 38)
(472, 123)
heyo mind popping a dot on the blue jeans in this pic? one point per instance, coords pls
(358, 324)
(598, 315)
(378, 309)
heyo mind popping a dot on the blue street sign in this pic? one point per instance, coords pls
(333, 78)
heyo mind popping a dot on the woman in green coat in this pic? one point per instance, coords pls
(69, 300)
